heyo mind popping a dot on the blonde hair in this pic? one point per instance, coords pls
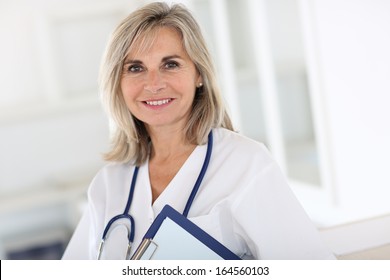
(130, 140)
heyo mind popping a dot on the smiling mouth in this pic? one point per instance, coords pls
(158, 102)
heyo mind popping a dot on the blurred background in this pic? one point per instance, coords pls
(309, 78)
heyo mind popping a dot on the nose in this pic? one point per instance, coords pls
(154, 82)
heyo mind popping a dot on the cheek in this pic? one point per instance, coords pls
(185, 87)
(129, 90)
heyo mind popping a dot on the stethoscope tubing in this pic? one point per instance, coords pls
(127, 208)
(126, 215)
(201, 175)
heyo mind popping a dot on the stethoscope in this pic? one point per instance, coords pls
(126, 215)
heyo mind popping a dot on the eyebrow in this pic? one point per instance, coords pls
(132, 61)
(137, 61)
(171, 57)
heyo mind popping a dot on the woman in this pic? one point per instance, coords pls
(159, 89)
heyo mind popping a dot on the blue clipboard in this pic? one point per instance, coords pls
(173, 237)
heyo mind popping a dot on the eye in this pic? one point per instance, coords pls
(171, 64)
(135, 68)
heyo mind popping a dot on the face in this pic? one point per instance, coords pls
(159, 85)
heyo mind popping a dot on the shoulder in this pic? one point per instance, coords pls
(114, 169)
(111, 174)
(224, 135)
(240, 147)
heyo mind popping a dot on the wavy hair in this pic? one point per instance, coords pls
(130, 139)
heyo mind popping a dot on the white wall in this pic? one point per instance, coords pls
(354, 59)
(51, 121)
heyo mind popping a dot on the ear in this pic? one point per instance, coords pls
(199, 82)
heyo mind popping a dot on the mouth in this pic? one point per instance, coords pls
(158, 102)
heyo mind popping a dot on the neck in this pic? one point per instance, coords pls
(168, 144)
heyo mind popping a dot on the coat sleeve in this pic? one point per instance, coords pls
(267, 215)
(84, 241)
(78, 247)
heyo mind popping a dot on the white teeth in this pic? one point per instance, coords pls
(158, 102)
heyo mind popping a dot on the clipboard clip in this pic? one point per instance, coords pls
(146, 250)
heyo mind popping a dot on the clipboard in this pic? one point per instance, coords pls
(173, 237)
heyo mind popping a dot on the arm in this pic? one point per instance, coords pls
(78, 247)
(272, 222)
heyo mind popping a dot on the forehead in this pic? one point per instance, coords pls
(156, 39)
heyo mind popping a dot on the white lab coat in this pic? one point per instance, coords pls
(244, 202)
